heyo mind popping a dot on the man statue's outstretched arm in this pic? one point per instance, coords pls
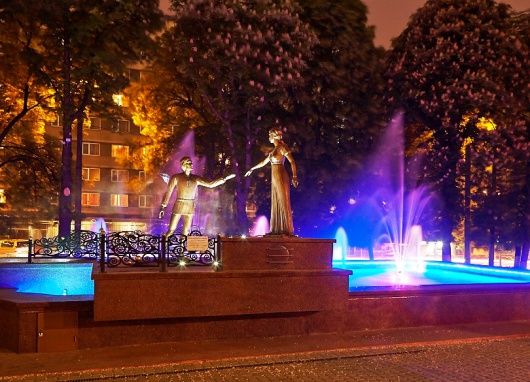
(214, 183)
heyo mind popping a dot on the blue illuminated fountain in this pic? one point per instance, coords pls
(388, 213)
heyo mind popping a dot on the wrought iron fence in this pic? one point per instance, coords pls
(132, 248)
(128, 248)
(83, 244)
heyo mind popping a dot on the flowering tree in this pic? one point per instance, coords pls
(338, 113)
(233, 63)
(460, 59)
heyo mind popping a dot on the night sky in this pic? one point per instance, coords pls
(391, 16)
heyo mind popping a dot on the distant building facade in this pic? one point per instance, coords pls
(115, 195)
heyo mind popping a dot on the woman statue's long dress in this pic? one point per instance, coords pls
(281, 222)
(281, 215)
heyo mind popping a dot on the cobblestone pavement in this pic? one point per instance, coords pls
(486, 360)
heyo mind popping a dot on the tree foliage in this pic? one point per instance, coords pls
(233, 63)
(80, 51)
(29, 164)
(21, 88)
(458, 60)
(338, 113)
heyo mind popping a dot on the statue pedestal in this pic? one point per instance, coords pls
(276, 253)
(268, 275)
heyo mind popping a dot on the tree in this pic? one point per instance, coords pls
(520, 197)
(161, 124)
(29, 159)
(458, 59)
(338, 114)
(21, 89)
(82, 54)
(232, 63)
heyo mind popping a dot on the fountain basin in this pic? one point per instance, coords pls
(57, 279)
(383, 275)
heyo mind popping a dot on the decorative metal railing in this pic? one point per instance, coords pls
(132, 248)
(84, 244)
(129, 248)
(177, 251)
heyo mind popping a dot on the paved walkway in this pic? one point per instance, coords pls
(478, 352)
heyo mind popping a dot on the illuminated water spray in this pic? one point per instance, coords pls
(98, 224)
(391, 208)
(260, 226)
(340, 248)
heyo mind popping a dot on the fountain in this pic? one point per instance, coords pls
(340, 248)
(390, 217)
(97, 224)
(260, 226)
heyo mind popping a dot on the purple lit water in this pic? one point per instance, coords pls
(387, 208)
(260, 226)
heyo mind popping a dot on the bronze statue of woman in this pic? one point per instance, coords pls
(281, 222)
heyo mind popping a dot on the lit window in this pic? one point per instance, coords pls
(118, 99)
(145, 201)
(119, 175)
(91, 174)
(141, 176)
(3, 199)
(90, 148)
(90, 199)
(120, 151)
(57, 120)
(95, 123)
(119, 200)
(124, 126)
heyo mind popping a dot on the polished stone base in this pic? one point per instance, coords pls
(271, 286)
(441, 305)
(154, 295)
(275, 253)
(266, 275)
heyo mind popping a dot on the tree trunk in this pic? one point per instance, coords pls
(523, 231)
(524, 255)
(467, 206)
(447, 237)
(240, 195)
(493, 206)
(446, 251)
(248, 164)
(65, 196)
(78, 184)
(371, 256)
(517, 256)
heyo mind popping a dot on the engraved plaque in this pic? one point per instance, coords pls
(197, 243)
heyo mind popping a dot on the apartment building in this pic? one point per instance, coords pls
(115, 194)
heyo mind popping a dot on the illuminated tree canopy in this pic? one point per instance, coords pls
(233, 63)
(454, 60)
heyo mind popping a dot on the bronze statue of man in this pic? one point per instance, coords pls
(186, 185)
